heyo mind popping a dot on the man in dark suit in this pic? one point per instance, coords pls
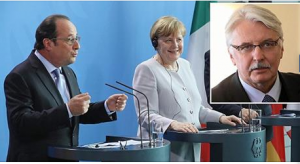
(38, 114)
(255, 43)
(241, 110)
(228, 109)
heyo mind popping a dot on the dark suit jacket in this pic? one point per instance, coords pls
(37, 116)
(227, 109)
(231, 89)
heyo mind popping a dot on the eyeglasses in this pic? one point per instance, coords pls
(70, 40)
(265, 46)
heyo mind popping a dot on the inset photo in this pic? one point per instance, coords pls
(254, 54)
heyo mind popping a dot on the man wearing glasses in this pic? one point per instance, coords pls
(255, 43)
(43, 99)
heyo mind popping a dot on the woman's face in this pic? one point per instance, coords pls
(171, 47)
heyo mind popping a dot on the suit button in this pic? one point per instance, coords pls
(188, 99)
(193, 123)
(183, 88)
(191, 111)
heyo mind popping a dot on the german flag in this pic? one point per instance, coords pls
(275, 148)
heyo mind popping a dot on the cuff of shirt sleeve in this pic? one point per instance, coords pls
(107, 110)
(220, 118)
(69, 112)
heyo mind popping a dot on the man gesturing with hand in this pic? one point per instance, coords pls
(43, 99)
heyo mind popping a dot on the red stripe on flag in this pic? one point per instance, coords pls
(205, 150)
(278, 134)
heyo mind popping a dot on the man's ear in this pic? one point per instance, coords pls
(47, 44)
(282, 50)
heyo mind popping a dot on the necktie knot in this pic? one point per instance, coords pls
(56, 73)
(268, 98)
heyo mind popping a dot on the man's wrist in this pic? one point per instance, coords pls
(107, 109)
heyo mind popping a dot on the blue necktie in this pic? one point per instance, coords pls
(60, 85)
(268, 98)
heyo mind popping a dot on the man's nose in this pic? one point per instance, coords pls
(258, 53)
(76, 45)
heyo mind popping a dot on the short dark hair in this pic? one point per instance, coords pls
(47, 29)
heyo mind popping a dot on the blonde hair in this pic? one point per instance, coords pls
(165, 26)
(256, 14)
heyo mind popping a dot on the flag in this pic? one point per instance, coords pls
(275, 148)
(198, 45)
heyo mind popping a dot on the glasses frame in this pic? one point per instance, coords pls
(253, 46)
(69, 40)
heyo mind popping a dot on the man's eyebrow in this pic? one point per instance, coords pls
(245, 43)
(269, 39)
(266, 40)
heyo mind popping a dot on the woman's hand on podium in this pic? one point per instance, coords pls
(230, 120)
(183, 127)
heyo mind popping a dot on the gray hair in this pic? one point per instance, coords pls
(256, 14)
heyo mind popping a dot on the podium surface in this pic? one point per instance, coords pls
(231, 145)
(131, 153)
(294, 122)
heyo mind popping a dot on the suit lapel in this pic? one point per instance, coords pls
(73, 90)
(289, 88)
(71, 81)
(238, 94)
(45, 78)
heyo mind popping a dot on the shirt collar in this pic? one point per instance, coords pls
(256, 95)
(50, 67)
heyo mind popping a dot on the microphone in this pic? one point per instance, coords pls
(148, 109)
(138, 101)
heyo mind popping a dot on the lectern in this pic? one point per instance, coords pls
(232, 144)
(131, 153)
(294, 122)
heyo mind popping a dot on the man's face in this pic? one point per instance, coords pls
(64, 52)
(266, 56)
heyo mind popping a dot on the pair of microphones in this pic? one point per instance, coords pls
(249, 109)
(139, 108)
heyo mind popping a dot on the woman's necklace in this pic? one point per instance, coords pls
(173, 68)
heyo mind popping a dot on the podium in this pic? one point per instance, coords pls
(232, 145)
(294, 122)
(131, 153)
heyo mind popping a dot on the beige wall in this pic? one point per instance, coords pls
(288, 14)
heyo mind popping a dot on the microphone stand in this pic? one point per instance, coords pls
(250, 119)
(141, 136)
(243, 130)
(149, 125)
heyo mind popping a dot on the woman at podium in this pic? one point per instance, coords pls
(170, 86)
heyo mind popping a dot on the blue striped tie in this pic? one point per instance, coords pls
(60, 86)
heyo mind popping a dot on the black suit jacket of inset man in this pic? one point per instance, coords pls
(234, 109)
(37, 116)
(231, 89)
